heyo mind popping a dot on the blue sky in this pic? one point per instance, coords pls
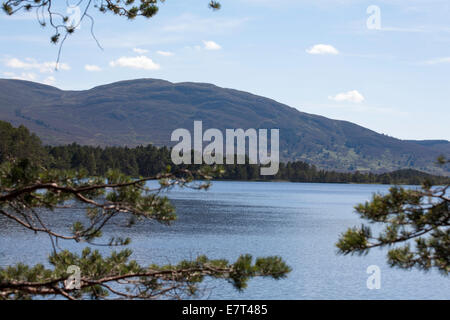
(318, 56)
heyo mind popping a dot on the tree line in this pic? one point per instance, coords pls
(144, 161)
(150, 160)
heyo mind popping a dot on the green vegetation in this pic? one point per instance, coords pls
(146, 111)
(28, 187)
(34, 178)
(416, 223)
(19, 143)
(150, 160)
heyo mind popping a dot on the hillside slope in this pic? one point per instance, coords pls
(147, 111)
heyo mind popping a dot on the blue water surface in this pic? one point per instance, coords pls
(300, 222)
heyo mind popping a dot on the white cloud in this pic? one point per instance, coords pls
(322, 49)
(92, 68)
(211, 45)
(28, 64)
(438, 60)
(165, 53)
(350, 96)
(140, 51)
(29, 76)
(49, 80)
(140, 62)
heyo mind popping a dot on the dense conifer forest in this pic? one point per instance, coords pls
(150, 160)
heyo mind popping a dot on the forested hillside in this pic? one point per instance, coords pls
(19, 143)
(146, 111)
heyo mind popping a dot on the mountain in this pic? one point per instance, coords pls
(442, 145)
(143, 111)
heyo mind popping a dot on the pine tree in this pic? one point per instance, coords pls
(416, 224)
(26, 190)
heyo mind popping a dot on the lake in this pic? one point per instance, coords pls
(300, 222)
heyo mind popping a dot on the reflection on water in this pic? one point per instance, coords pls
(299, 221)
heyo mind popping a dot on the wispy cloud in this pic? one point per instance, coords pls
(29, 76)
(165, 53)
(211, 45)
(139, 62)
(29, 64)
(49, 80)
(404, 29)
(322, 49)
(92, 68)
(180, 29)
(407, 29)
(140, 51)
(438, 61)
(350, 96)
(193, 23)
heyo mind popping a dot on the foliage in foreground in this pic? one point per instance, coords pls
(27, 190)
(416, 220)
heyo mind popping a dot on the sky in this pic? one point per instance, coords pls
(384, 65)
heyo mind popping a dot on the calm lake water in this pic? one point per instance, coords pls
(299, 221)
